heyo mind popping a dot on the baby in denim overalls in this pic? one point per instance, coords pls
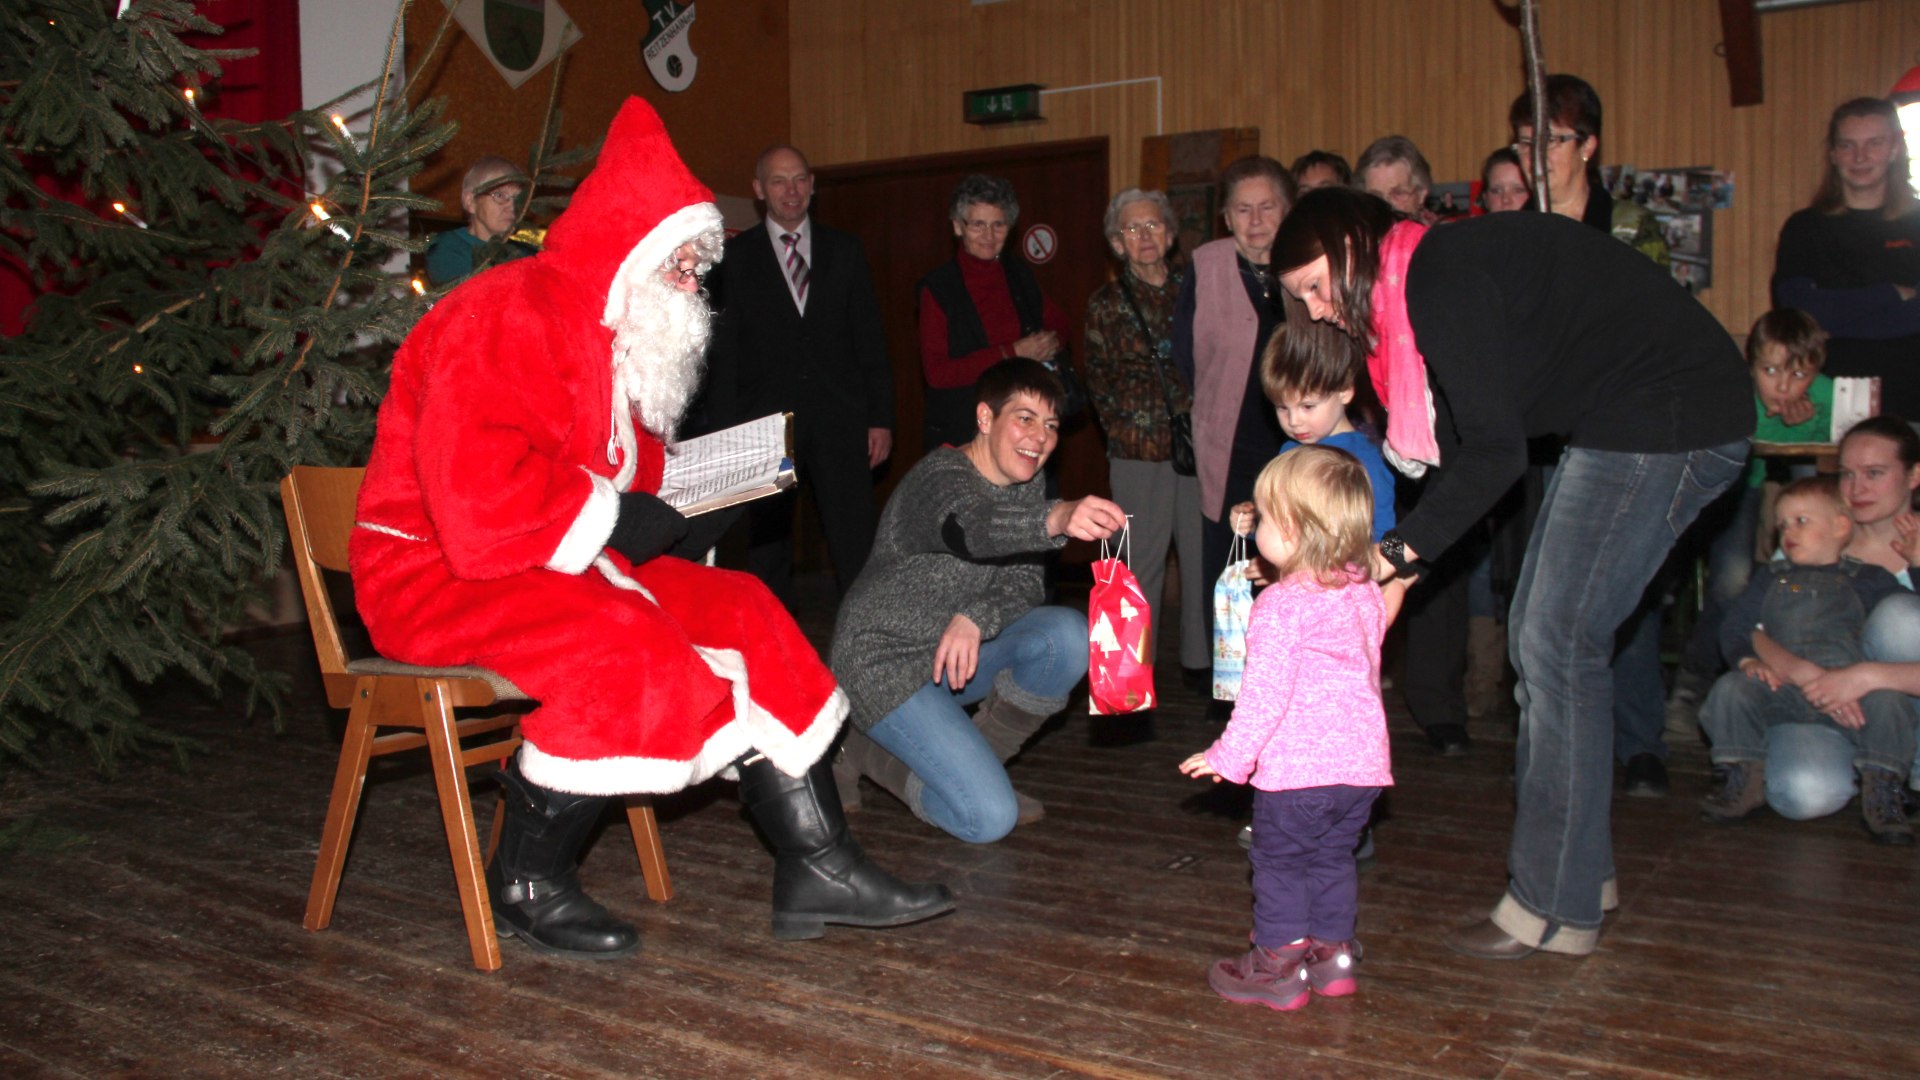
(1800, 618)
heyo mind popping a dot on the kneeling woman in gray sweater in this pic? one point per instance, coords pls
(947, 613)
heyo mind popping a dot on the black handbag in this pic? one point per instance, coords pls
(1179, 421)
(1074, 402)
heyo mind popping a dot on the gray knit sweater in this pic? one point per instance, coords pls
(949, 543)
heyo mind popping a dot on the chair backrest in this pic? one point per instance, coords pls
(319, 505)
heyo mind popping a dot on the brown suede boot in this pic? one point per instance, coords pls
(1007, 718)
(1743, 793)
(864, 757)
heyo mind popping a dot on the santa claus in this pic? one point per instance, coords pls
(508, 520)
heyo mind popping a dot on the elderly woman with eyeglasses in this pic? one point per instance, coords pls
(1133, 386)
(491, 193)
(1573, 168)
(1229, 305)
(980, 309)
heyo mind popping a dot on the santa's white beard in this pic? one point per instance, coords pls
(659, 351)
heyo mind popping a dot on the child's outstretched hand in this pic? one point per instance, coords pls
(1241, 518)
(1197, 767)
(1393, 593)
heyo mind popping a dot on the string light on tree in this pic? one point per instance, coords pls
(320, 212)
(419, 287)
(341, 123)
(191, 97)
(121, 209)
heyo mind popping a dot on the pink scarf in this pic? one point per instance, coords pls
(1398, 370)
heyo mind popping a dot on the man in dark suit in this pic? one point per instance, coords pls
(797, 329)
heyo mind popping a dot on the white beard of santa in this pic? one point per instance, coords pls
(660, 341)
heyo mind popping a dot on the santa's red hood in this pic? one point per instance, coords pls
(639, 195)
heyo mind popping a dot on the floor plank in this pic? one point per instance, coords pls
(156, 932)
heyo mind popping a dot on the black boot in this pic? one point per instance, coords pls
(534, 880)
(820, 875)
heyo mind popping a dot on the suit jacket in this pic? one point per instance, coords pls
(828, 366)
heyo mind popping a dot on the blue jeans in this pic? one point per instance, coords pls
(1606, 524)
(963, 787)
(1810, 771)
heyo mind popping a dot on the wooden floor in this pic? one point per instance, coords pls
(153, 929)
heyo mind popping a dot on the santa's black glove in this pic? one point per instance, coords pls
(645, 528)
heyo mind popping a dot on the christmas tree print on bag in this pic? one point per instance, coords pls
(1119, 668)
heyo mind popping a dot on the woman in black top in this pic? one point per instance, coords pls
(1478, 336)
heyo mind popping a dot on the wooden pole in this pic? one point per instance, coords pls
(1537, 90)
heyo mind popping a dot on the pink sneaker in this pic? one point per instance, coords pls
(1328, 967)
(1271, 977)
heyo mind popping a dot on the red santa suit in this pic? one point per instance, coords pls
(494, 485)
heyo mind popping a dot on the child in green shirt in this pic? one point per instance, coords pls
(1793, 403)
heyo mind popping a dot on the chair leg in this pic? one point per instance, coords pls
(646, 844)
(493, 834)
(349, 778)
(456, 812)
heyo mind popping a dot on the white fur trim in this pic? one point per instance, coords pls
(651, 253)
(752, 728)
(588, 534)
(791, 754)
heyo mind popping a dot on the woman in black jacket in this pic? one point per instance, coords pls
(1478, 336)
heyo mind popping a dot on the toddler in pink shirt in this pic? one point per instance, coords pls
(1309, 731)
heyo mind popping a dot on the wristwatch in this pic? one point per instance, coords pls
(1394, 549)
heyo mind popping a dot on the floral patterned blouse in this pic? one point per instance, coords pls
(1121, 375)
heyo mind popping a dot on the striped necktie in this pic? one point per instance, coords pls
(797, 273)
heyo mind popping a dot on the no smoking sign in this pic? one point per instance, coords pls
(1040, 243)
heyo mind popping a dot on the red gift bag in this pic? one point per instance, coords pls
(1119, 667)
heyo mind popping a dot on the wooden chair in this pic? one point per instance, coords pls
(380, 693)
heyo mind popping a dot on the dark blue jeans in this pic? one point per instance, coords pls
(1607, 522)
(1304, 879)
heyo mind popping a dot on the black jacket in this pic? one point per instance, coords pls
(830, 364)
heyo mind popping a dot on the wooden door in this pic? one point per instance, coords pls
(898, 209)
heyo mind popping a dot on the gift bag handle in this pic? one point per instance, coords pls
(1124, 546)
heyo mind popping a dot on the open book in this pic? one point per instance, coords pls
(729, 467)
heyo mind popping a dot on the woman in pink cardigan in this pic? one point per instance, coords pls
(1229, 305)
(1308, 732)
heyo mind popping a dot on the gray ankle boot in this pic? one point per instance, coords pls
(1882, 809)
(1742, 794)
(1007, 718)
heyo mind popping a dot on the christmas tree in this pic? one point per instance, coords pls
(207, 320)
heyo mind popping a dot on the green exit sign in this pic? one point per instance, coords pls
(1003, 104)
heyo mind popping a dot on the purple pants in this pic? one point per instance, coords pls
(1304, 880)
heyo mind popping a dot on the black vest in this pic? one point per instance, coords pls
(949, 413)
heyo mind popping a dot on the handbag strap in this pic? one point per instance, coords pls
(1153, 350)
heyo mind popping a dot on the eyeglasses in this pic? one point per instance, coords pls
(504, 196)
(1525, 146)
(1503, 192)
(1145, 228)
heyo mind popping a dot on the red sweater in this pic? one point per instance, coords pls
(987, 285)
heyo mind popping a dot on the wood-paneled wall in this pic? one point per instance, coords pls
(736, 106)
(876, 79)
